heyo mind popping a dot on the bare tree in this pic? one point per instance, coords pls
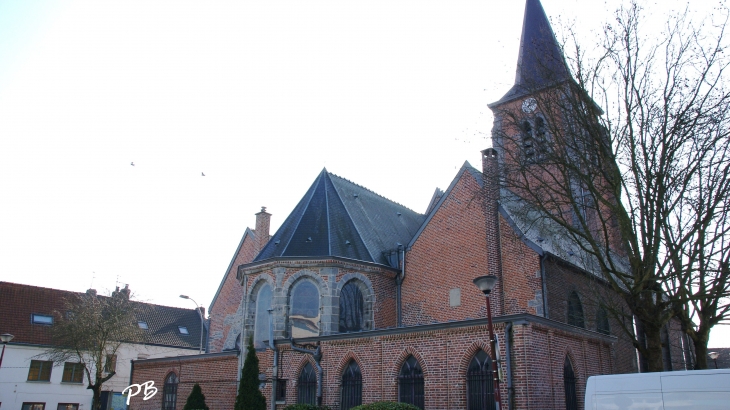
(642, 189)
(90, 331)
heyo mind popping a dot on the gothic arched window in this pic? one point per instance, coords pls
(479, 383)
(351, 393)
(575, 311)
(602, 325)
(571, 399)
(410, 383)
(261, 325)
(304, 314)
(307, 386)
(169, 392)
(352, 308)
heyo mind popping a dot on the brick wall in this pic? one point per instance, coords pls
(446, 257)
(216, 374)
(562, 280)
(538, 354)
(224, 310)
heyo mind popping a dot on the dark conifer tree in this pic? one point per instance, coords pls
(196, 400)
(249, 396)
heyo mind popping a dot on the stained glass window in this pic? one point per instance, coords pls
(304, 315)
(575, 311)
(352, 308)
(261, 327)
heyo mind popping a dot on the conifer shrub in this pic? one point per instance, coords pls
(196, 400)
(249, 396)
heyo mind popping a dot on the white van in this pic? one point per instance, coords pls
(694, 389)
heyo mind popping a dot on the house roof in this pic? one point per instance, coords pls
(540, 63)
(339, 218)
(19, 302)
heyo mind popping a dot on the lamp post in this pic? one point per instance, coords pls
(201, 320)
(714, 356)
(486, 284)
(5, 338)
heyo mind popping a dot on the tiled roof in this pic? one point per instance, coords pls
(540, 63)
(339, 218)
(18, 302)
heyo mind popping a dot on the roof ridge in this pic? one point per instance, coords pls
(372, 192)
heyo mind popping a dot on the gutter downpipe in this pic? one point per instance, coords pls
(543, 277)
(508, 359)
(398, 282)
(275, 367)
(317, 355)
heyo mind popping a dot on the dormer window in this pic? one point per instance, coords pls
(142, 325)
(183, 330)
(42, 319)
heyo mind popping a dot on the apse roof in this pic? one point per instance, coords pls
(339, 218)
(540, 63)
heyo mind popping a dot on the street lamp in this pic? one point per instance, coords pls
(714, 356)
(201, 320)
(5, 338)
(486, 284)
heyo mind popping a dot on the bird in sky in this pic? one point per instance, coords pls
(202, 173)
(132, 163)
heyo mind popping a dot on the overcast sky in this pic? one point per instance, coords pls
(259, 96)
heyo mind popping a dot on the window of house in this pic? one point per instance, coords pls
(33, 406)
(304, 314)
(42, 319)
(571, 398)
(352, 308)
(410, 383)
(169, 392)
(307, 386)
(40, 371)
(479, 383)
(142, 325)
(602, 325)
(73, 373)
(575, 311)
(351, 393)
(261, 325)
(183, 330)
(110, 365)
(67, 406)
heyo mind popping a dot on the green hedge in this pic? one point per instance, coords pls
(305, 407)
(386, 405)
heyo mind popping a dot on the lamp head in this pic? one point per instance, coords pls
(184, 297)
(486, 283)
(714, 355)
(6, 337)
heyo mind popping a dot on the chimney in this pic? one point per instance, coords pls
(91, 292)
(263, 221)
(202, 311)
(126, 292)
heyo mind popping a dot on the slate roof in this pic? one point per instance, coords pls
(540, 63)
(339, 218)
(18, 302)
(546, 236)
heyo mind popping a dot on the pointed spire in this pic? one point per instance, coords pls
(540, 63)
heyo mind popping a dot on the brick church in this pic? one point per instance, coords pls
(366, 300)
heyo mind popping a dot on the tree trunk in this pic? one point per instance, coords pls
(700, 344)
(96, 399)
(651, 352)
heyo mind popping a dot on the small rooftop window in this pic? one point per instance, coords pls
(142, 325)
(42, 319)
(183, 330)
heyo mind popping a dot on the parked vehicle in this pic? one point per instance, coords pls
(694, 389)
